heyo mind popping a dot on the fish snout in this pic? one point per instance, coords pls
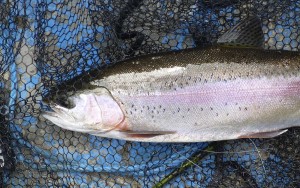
(92, 113)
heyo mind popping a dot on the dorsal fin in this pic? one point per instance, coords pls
(248, 34)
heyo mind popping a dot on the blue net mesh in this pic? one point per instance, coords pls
(44, 43)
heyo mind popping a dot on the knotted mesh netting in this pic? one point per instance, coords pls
(44, 43)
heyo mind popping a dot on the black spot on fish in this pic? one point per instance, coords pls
(159, 106)
(246, 108)
(211, 108)
(201, 109)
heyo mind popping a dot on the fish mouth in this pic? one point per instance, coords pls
(56, 118)
(49, 114)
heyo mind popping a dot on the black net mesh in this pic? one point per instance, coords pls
(44, 43)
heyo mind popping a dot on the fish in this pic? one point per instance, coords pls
(231, 90)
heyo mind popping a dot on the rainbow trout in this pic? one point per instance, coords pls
(197, 95)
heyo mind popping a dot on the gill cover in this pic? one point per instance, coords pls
(94, 111)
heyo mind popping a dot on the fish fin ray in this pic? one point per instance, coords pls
(248, 34)
(269, 134)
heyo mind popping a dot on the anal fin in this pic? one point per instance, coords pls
(269, 134)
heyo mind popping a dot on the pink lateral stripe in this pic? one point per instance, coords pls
(237, 90)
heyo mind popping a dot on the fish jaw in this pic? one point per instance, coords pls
(95, 112)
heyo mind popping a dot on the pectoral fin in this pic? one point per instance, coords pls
(270, 134)
(145, 134)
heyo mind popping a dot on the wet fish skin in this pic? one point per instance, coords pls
(197, 95)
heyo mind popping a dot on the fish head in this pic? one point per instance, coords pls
(94, 111)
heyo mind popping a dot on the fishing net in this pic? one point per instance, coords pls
(44, 43)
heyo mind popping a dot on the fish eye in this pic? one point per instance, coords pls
(63, 100)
